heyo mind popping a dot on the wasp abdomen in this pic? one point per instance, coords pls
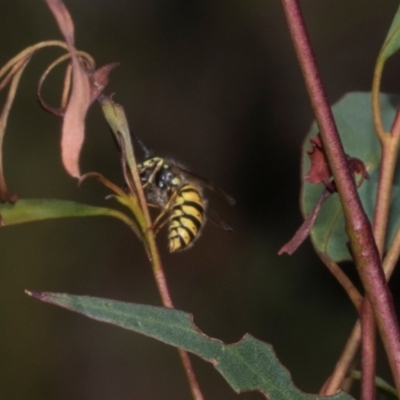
(169, 187)
(186, 218)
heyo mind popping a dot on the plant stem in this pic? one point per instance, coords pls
(116, 118)
(368, 351)
(389, 144)
(376, 83)
(159, 275)
(358, 228)
(343, 279)
(389, 147)
(342, 366)
(332, 385)
(161, 281)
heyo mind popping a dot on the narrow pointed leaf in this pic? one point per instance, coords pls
(354, 120)
(30, 210)
(392, 41)
(73, 129)
(116, 118)
(249, 365)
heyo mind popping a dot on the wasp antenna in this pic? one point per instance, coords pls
(146, 151)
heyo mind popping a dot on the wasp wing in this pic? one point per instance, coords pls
(214, 217)
(208, 184)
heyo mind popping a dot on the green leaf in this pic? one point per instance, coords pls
(30, 210)
(392, 41)
(116, 118)
(249, 365)
(354, 121)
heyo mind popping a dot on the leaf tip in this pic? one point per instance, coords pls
(36, 295)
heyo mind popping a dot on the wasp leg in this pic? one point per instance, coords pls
(166, 208)
(156, 230)
(152, 227)
(156, 169)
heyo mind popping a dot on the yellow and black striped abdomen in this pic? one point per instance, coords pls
(186, 218)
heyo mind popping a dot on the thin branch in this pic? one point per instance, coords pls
(376, 84)
(343, 279)
(384, 190)
(358, 228)
(343, 364)
(368, 352)
(30, 51)
(332, 385)
(115, 116)
(159, 275)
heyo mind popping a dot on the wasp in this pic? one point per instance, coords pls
(179, 194)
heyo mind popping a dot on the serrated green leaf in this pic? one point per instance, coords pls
(30, 210)
(249, 365)
(392, 41)
(354, 120)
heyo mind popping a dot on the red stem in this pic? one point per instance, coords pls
(358, 228)
(368, 352)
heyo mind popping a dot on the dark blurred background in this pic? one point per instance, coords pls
(216, 85)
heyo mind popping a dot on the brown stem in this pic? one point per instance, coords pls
(159, 275)
(384, 191)
(368, 352)
(358, 228)
(343, 364)
(395, 131)
(116, 118)
(368, 339)
(343, 279)
(376, 84)
(332, 385)
(161, 281)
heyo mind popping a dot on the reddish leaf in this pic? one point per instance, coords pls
(14, 77)
(319, 169)
(302, 233)
(99, 80)
(358, 167)
(73, 130)
(59, 111)
(63, 19)
(320, 173)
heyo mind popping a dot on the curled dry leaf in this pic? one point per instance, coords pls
(73, 130)
(320, 172)
(89, 65)
(319, 169)
(59, 111)
(84, 91)
(358, 168)
(99, 80)
(63, 19)
(302, 233)
(14, 76)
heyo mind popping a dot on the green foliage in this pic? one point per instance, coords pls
(354, 121)
(30, 210)
(392, 41)
(248, 365)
